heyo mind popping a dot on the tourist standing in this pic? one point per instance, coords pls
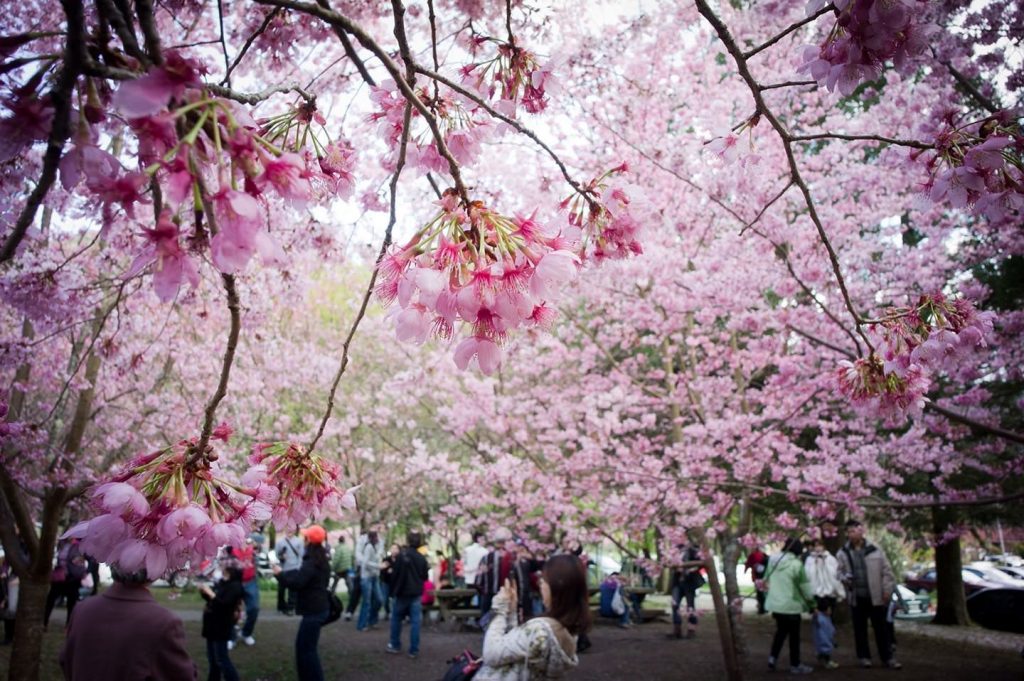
(125, 634)
(387, 574)
(369, 576)
(869, 581)
(475, 552)
(219, 616)
(823, 572)
(544, 647)
(356, 587)
(311, 602)
(246, 557)
(686, 580)
(493, 570)
(789, 595)
(66, 578)
(289, 551)
(613, 604)
(341, 566)
(407, 586)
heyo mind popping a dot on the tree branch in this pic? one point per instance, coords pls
(60, 130)
(248, 42)
(914, 144)
(771, 41)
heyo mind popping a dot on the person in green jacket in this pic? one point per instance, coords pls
(789, 595)
(341, 565)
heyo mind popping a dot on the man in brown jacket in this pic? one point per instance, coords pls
(870, 582)
(125, 635)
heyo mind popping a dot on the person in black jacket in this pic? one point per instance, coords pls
(410, 572)
(310, 583)
(219, 622)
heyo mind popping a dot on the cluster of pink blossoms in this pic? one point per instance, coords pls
(979, 164)
(917, 342)
(167, 509)
(865, 35)
(475, 266)
(308, 485)
(602, 218)
(204, 152)
(513, 75)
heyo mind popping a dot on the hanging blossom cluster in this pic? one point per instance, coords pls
(476, 267)
(308, 485)
(513, 75)
(169, 508)
(979, 164)
(865, 35)
(917, 342)
(202, 152)
(602, 217)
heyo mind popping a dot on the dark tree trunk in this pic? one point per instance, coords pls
(951, 607)
(28, 629)
(725, 633)
(730, 561)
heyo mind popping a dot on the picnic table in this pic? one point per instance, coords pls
(454, 606)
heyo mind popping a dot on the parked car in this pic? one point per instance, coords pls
(916, 606)
(1001, 608)
(1016, 572)
(991, 573)
(973, 580)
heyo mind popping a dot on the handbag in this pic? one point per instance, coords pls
(463, 667)
(334, 608)
(618, 603)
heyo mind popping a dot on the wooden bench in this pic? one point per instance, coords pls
(449, 602)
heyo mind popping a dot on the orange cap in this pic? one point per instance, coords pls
(315, 534)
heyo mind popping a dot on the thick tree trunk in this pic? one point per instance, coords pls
(730, 561)
(951, 607)
(28, 629)
(725, 633)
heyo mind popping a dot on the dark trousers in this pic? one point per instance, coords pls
(787, 626)
(69, 590)
(307, 657)
(862, 612)
(285, 598)
(355, 591)
(760, 602)
(220, 663)
(8, 631)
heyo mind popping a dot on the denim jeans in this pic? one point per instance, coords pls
(251, 596)
(370, 609)
(220, 663)
(307, 657)
(413, 607)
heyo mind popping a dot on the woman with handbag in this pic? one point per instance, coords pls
(544, 647)
(312, 601)
(223, 610)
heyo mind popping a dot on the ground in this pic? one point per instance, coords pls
(640, 653)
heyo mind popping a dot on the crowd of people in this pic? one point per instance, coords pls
(534, 610)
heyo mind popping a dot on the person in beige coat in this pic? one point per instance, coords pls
(869, 581)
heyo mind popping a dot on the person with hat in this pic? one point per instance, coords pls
(310, 583)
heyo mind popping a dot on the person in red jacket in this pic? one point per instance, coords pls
(757, 563)
(125, 634)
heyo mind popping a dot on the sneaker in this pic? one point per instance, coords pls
(249, 641)
(893, 664)
(231, 645)
(347, 617)
(391, 649)
(830, 664)
(801, 669)
(865, 662)
(771, 663)
(413, 656)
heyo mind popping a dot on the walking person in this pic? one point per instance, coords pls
(789, 595)
(823, 572)
(355, 584)
(686, 580)
(409, 574)
(223, 603)
(869, 581)
(246, 557)
(289, 551)
(311, 602)
(341, 566)
(757, 563)
(66, 579)
(387, 575)
(544, 647)
(369, 576)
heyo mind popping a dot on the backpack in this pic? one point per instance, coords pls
(335, 608)
(463, 667)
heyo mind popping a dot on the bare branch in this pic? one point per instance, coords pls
(771, 41)
(855, 138)
(248, 41)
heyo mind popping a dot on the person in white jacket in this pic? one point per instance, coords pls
(822, 570)
(544, 647)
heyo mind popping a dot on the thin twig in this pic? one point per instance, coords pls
(964, 82)
(771, 41)
(223, 43)
(248, 42)
(766, 206)
(257, 97)
(789, 83)
(856, 138)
